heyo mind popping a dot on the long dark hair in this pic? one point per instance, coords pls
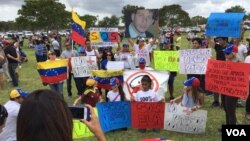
(121, 92)
(44, 116)
(195, 94)
(3, 114)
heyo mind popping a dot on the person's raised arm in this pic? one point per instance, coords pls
(94, 125)
(131, 42)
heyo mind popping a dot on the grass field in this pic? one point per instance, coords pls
(30, 80)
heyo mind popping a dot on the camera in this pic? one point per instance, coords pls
(80, 112)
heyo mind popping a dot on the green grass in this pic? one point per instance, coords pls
(30, 80)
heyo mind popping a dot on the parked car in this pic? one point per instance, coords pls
(27, 34)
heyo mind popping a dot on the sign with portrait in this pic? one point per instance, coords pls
(142, 23)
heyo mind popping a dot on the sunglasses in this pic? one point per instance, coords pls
(109, 55)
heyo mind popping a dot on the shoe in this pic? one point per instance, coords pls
(215, 104)
(240, 104)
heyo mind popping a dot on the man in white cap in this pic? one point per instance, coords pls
(13, 105)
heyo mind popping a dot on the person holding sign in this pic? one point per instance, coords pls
(191, 97)
(146, 94)
(45, 116)
(117, 93)
(141, 20)
(229, 102)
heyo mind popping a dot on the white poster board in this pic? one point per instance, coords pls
(194, 61)
(181, 119)
(115, 65)
(81, 66)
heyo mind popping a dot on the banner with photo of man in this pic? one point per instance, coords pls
(142, 23)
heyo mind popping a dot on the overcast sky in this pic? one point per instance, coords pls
(9, 8)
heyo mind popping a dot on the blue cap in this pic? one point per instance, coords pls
(230, 48)
(114, 81)
(125, 44)
(81, 50)
(193, 81)
(142, 60)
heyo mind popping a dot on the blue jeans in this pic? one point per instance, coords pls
(57, 87)
(12, 70)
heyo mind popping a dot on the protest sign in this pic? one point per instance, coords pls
(228, 78)
(194, 61)
(182, 119)
(142, 23)
(114, 115)
(224, 24)
(132, 81)
(103, 36)
(81, 66)
(115, 65)
(147, 115)
(166, 60)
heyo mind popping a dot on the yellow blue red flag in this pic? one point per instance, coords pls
(53, 71)
(78, 27)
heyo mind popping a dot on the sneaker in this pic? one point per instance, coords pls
(215, 104)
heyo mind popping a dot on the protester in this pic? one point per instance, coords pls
(56, 46)
(2, 61)
(44, 116)
(116, 93)
(13, 105)
(126, 56)
(67, 54)
(230, 102)
(40, 50)
(91, 94)
(58, 87)
(5, 65)
(247, 60)
(191, 96)
(3, 117)
(146, 94)
(13, 60)
(106, 56)
(141, 20)
(142, 65)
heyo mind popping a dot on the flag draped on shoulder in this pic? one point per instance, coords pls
(103, 77)
(52, 71)
(78, 27)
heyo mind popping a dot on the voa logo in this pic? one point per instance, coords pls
(236, 132)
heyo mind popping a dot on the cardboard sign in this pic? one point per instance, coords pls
(114, 115)
(224, 24)
(132, 81)
(166, 60)
(81, 66)
(147, 115)
(103, 36)
(194, 61)
(182, 119)
(115, 65)
(228, 78)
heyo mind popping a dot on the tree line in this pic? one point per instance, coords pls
(52, 15)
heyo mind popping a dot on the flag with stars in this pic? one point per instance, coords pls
(53, 71)
(78, 27)
(103, 77)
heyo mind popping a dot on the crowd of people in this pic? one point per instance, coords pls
(17, 115)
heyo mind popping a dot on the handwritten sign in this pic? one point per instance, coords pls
(224, 24)
(194, 61)
(81, 66)
(80, 130)
(103, 36)
(114, 115)
(147, 115)
(228, 78)
(115, 65)
(166, 60)
(181, 119)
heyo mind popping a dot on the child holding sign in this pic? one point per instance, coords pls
(191, 98)
(91, 95)
(146, 94)
(116, 94)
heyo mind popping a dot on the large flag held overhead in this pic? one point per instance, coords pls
(78, 27)
(52, 71)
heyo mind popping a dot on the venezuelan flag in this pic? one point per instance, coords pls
(78, 27)
(103, 77)
(53, 71)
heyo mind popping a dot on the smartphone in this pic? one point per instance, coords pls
(80, 112)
